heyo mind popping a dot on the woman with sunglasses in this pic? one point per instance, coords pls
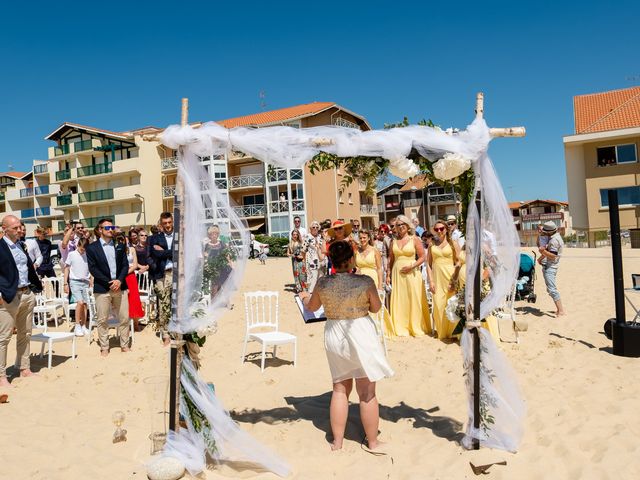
(297, 253)
(142, 251)
(443, 270)
(409, 307)
(136, 311)
(315, 258)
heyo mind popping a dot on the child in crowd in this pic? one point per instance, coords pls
(263, 254)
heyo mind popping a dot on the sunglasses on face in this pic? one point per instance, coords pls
(109, 227)
(451, 224)
(440, 229)
(142, 235)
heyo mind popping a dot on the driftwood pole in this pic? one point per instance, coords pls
(477, 281)
(178, 302)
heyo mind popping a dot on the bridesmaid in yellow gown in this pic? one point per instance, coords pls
(369, 262)
(443, 268)
(409, 307)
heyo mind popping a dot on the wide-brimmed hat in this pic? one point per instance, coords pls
(339, 223)
(549, 227)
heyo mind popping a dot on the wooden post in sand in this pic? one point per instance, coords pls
(178, 302)
(477, 281)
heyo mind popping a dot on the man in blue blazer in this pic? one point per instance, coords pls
(18, 281)
(109, 266)
(161, 250)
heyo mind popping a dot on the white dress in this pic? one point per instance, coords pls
(354, 349)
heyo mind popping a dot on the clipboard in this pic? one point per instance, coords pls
(307, 315)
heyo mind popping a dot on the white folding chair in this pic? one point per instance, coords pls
(52, 289)
(261, 312)
(112, 322)
(49, 338)
(41, 313)
(144, 287)
(507, 313)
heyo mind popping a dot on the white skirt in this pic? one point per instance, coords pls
(354, 350)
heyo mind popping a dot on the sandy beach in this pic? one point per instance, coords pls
(582, 419)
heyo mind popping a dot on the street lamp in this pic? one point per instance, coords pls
(144, 208)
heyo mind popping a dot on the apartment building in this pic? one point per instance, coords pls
(8, 181)
(417, 198)
(130, 177)
(527, 215)
(269, 197)
(602, 154)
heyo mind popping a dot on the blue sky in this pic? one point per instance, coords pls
(122, 65)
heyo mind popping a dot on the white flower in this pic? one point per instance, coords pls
(451, 166)
(450, 309)
(403, 167)
(208, 329)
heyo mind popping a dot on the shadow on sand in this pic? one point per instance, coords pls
(316, 410)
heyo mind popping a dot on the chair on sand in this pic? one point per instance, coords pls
(261, 311)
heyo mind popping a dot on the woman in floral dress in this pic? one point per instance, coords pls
(298, 254)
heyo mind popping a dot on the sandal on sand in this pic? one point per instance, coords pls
(4, 398)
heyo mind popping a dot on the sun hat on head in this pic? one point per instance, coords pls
(549, 227)
(452, 218)
(339, 223)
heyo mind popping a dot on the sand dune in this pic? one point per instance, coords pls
(582, 420)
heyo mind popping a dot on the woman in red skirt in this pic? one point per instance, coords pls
(135, 306)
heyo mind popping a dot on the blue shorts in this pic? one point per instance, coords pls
(79, 290)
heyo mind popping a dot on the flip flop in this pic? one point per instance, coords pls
(4, 398)
(484, 469)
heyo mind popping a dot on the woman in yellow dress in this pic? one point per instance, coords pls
(369, 262)
(409, 307)
(443, 269)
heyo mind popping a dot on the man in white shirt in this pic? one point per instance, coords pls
(17, 278)
(456, 234)
(32, 248)
(297, 222)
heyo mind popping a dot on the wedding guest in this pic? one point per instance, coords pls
(409, 306)
(314, 247)
(142, 251)
(351, 342)
(355, 230)
(136, 312)
(18, 281)
(161, 248)
(383, 245)
(77, 281)
(552, 252)
(297, 222)
(72, 233)
(455, 233)
(297, 253)
(212, 251)
(443, 271)
(109, 267)
(133, 237)
(33, 250)
(416, 227)
(45, 269)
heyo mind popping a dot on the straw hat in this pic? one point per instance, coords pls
(339, 223)
(549, 227)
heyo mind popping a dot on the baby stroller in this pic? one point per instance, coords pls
(526, 278)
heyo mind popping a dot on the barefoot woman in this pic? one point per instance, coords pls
(351, 342)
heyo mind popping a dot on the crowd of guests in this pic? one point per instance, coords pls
(99, 265)
(402, 259)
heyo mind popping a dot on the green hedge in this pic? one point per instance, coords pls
(277, 245)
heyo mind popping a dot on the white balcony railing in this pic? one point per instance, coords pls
(169, 163)
(250, 211)
(244, 181)
(368, 209)
(444, 198)
(168, 191)
(297, 205)
(278, 206)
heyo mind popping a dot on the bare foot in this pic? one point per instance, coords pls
(125, 349)
(377, 447)
(561, 314)
(104, 353)
(166, 341)
(4, 382)
(336, 446)
(27, 373)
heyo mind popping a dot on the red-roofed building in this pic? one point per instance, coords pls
(527, 215)
(602, 154)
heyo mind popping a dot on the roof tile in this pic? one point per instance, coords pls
(613, 110)
(277, 116)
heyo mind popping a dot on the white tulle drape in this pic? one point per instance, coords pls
(502, 410)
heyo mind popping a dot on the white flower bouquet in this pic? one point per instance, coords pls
(451, 166)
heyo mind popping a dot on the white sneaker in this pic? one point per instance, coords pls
(85, 330)
(78, 331)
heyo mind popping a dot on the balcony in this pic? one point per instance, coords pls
(168, 191)
(277, 175)
(47, 190)
(247, 211)
(63, 200)
(278, 206)
(1, 196)
(97, 169)
(368, 209)
(413, 202)
(170, 163)
(444, 198)
(246, 181)
(62, 175)
(221, 183)
(27, 213)
(61, 150)
(48, 212)
(92, 222)
(96, 195)
(26, 192)
(41, 168)
(297, 205)
(82, 146)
